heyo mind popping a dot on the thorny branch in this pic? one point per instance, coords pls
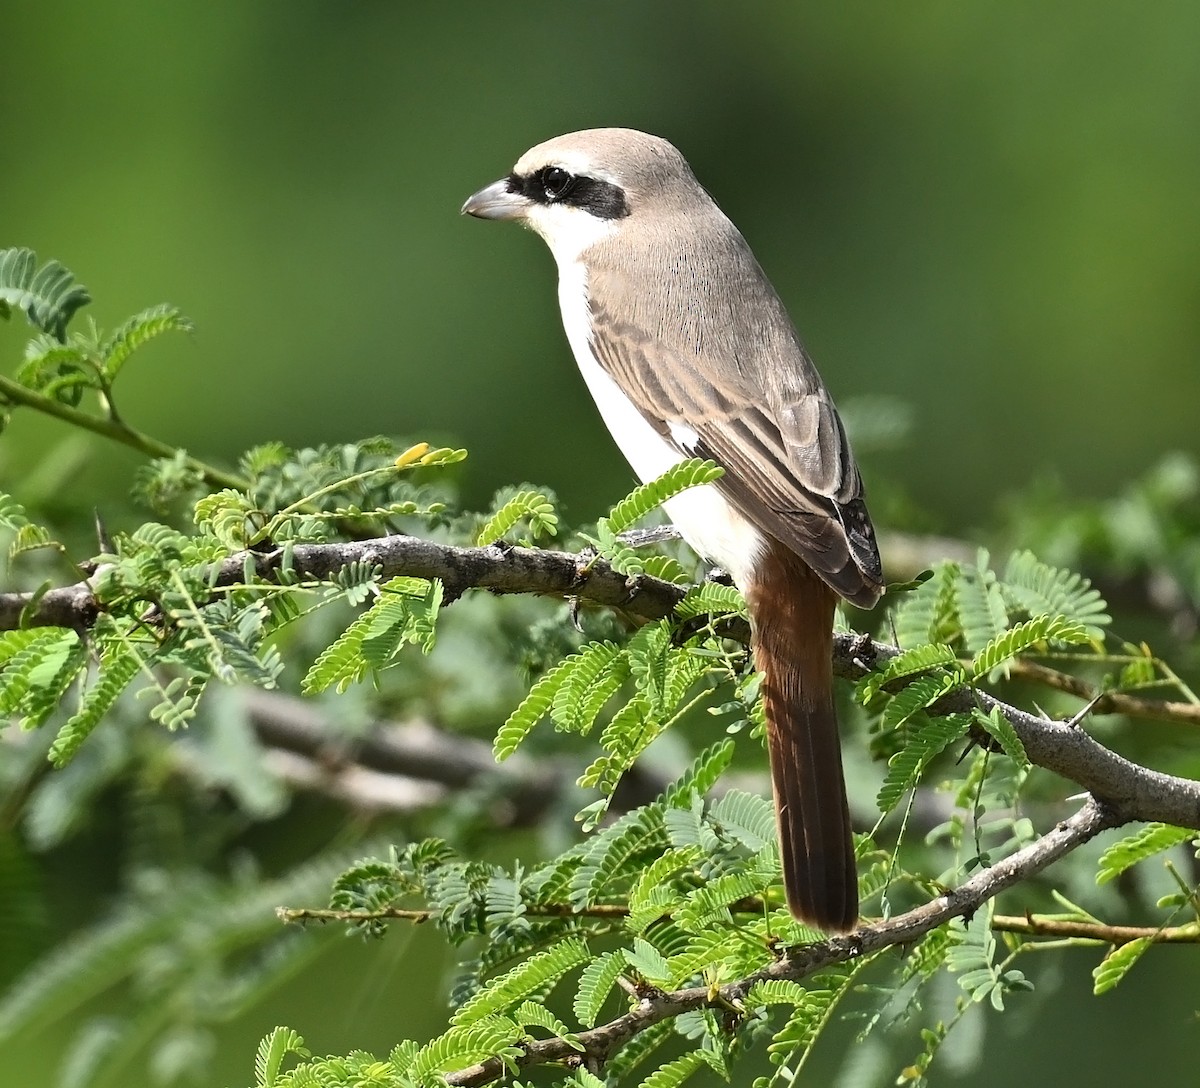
(495, 568)
(1062, 747)
(1107, 702)
(602, 1042)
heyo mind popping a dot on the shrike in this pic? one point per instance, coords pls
(689, 352)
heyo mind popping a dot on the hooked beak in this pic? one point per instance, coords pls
(496, 201)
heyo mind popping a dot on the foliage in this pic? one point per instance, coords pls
(49, 295)
(516, 506)
(608, 542)
(667, 889)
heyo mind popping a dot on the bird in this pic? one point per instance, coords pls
(688, 351)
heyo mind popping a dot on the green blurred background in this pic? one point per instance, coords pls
(986, 211)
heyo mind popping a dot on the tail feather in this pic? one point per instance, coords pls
(791, 612)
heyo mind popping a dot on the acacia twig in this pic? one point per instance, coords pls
(113, 428)
(1099, 932)
(418, 915)
(1106, 702)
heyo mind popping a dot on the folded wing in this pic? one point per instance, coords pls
(773, 427)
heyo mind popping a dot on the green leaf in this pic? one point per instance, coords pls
(972, 955)
(702, 775)
(745, 817)
(341, 663)
(929, 955)
(650, 496)
(594, 675)
(649, 651)
(529, 506)
(226, 514)
(710, 903)
(117, 670)
(358, 581)
(405, 611)
(919, 695)
(675, 1072)
(12, 513)
(594, 699)
(48, 296)
(534, 975)
(931, 737)
(1139, 672)
(800, 1031)
(263, 458)
(1117, 964)
(30, 538)
(57, 370)
(648, 961)
(627, 735)
(50, 681)
(653, 894)
(423, 614)
(711, 599)
(28, 658)
(666, 568)
(271, 1051)
(1000, 729)
(684, 668)
(136, 331)
(595, 984)
(637, 1050)
(617, 853)
(912, 662)
(930, 612)
(1040, 589)
(581, 1078)
(531, 1013)
(980, 605)
(1043, 628)
(533, 708)
(1146, 842)
(491, 1037)
(776, 991)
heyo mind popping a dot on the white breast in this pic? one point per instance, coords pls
(705, 519)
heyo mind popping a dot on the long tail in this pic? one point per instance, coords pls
(791, 612)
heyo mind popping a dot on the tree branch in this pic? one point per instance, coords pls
(1137, 792)
(1107, 702)
(602, 1042)
(415, 754)
(12, 392)
(1033, 926)
(495, 568)
(1062, 747)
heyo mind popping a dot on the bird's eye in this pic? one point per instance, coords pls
(556, 182)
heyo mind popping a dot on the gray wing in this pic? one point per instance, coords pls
(774, 430)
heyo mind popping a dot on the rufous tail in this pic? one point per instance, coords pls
(791, 613)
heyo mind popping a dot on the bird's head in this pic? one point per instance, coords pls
(584, 187)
